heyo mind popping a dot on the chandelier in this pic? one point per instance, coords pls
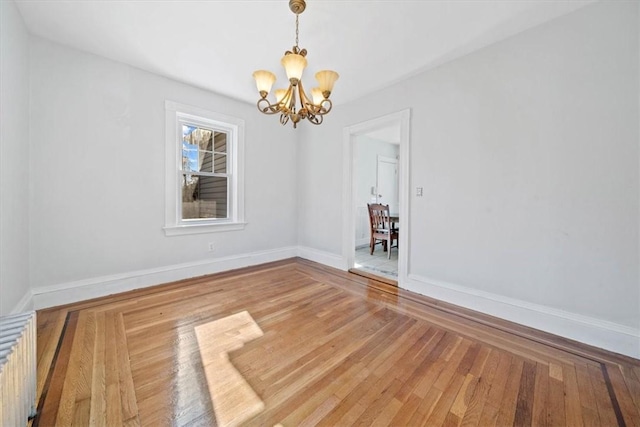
(294, 62)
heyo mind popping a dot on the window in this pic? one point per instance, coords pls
(204, 176)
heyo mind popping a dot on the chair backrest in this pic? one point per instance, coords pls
(379, 217)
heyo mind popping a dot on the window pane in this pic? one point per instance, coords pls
(220, 145)
(197, 147)
(197, 161)
(189, 157)
(204, 197)
(205, 160)
(220, 163)
(202, 138)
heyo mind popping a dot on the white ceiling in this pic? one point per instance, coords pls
(218, 44)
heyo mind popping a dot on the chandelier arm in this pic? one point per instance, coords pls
(304, 99)
(268, 108)
(314, 109)
(326, 110)
(315, 119)
(309, 105)
(292, 100)
(321, 109)
(306, 102)
(317, 109)
(285, 102)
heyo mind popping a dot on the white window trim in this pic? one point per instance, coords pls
(175, 113)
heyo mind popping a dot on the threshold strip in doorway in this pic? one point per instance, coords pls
(372, 276)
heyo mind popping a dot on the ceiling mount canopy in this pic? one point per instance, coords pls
(297, 6)
(294, 62)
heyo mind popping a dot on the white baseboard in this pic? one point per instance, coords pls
(607, 335)
(66, 293)
(25, 303)
(362, 242)
(322, 257)
(598, 333)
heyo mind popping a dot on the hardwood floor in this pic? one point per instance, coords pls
(297, 343)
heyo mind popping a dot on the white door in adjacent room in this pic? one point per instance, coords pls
(387, 183)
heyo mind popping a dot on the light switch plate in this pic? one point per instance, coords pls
(419, 191)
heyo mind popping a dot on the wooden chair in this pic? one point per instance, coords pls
(382, 230)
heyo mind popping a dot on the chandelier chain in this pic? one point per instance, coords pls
(297, 29)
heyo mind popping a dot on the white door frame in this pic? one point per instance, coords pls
(403, 119)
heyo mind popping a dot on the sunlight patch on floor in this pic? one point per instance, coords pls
(234, 401)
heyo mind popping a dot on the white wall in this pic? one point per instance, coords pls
(98, 173)
(528, 154)
(14, 158)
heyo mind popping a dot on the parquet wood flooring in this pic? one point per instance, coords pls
(297, 343)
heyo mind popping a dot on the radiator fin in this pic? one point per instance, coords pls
(17, 369)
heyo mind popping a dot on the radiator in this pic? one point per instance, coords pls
(17, 369)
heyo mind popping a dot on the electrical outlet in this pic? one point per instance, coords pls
(419, 191)
(211, 247)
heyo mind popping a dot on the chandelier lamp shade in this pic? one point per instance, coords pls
(293, 103)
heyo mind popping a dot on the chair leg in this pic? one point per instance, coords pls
(389, 251)
(372, 244)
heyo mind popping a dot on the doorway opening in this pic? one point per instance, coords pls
(376, 163)
(375, 174)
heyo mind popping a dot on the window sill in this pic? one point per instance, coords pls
(180, 230)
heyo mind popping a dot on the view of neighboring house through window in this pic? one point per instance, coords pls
(205, 181)
(204, 171)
